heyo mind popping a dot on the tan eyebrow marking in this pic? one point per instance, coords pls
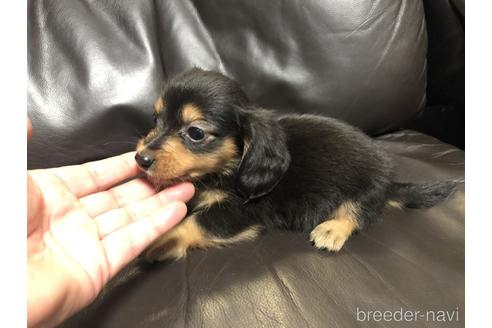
(159, 105)
(190, 113)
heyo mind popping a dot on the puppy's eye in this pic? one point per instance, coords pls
(196, 134)
(154, 114)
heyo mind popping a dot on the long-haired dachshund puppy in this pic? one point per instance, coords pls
(257, 170)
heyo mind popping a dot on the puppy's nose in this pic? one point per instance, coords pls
(144, 161)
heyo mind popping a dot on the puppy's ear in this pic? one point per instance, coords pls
(265, 156)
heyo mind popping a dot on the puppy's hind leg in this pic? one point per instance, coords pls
(334, 232)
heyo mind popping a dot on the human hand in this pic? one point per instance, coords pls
(80, 233)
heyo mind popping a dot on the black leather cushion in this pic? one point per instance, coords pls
(411, 260)
(95, 67)
(444, 115)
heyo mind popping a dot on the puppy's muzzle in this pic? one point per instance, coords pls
(144, 160)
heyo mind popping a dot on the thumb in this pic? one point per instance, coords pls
(34, 205)
(29, 129)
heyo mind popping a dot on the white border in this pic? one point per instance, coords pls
(13, 27)
(478, 163)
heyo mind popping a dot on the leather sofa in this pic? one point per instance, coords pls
(95, 68)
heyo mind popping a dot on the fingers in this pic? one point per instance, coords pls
(125, 244)
(97, 176)
(119, 196)
(118, 218)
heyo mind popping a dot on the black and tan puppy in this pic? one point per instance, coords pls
(257, 170)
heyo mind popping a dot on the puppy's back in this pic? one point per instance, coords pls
(328, 148)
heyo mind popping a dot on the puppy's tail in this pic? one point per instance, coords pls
(413, 195)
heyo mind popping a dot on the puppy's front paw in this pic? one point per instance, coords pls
(175, 244)
(330, 235)
(168, 249)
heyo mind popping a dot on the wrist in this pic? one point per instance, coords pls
(54, 294)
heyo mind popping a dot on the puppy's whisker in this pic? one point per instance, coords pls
(171, 147)
(139, 134)
(119, 142)
(201, 183)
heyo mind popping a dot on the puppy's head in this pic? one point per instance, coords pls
(206, 126)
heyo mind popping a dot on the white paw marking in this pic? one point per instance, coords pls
(330, 235)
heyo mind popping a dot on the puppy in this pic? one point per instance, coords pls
(257, 170)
